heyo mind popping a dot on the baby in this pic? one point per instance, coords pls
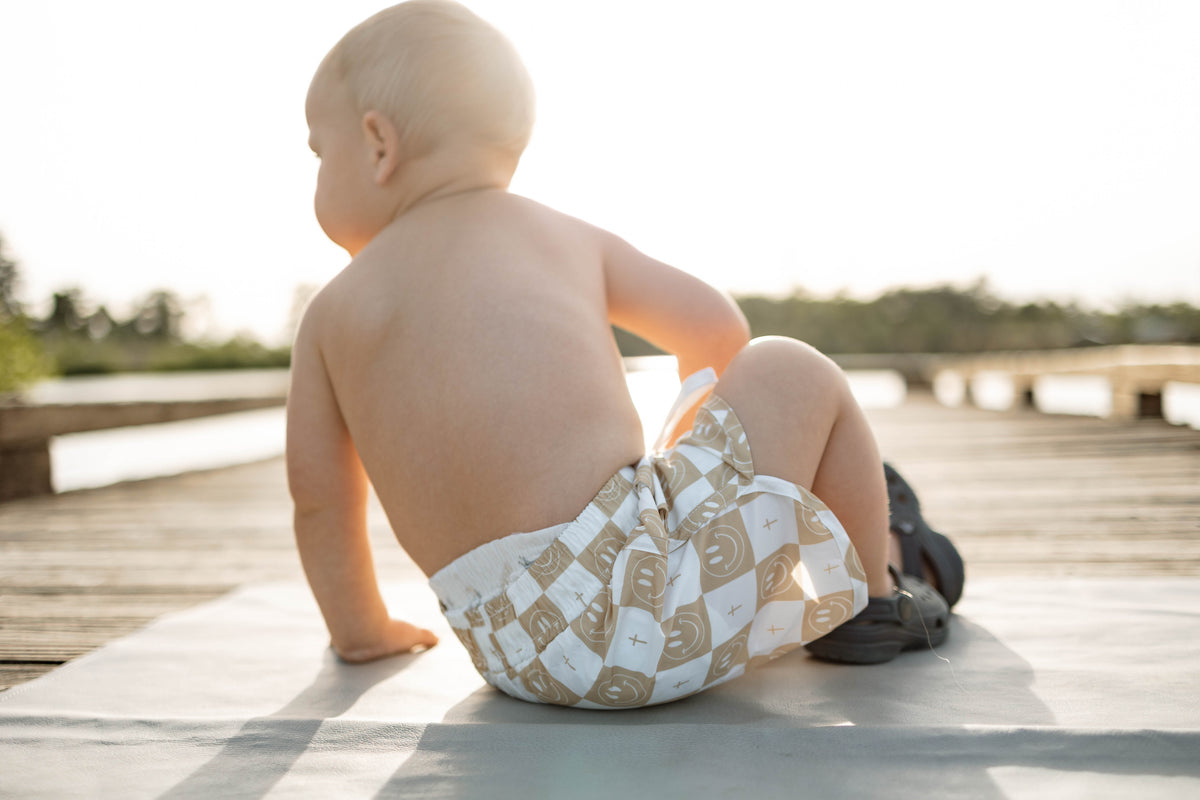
(463, 364)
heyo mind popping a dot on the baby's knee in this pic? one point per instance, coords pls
(778, 358)
(788, 397)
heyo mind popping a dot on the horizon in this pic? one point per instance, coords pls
(1050, 148)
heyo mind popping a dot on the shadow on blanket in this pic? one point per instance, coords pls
(832, 728)
(276, 747)
(796, 723)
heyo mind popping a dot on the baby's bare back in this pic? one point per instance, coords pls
(469, 350)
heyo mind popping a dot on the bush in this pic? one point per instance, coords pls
(22, 360)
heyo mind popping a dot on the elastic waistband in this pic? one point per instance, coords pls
(473, 576)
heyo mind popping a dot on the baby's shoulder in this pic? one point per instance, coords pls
(538, 216)
(346, 302)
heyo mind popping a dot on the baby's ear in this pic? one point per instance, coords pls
(385, 144)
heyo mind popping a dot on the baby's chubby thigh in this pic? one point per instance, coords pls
(787, 396)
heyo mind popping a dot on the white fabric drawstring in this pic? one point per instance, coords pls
(690, 393)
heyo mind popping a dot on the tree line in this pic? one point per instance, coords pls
(950, 319)
(78, 337)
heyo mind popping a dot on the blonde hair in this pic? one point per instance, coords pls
(437, 70)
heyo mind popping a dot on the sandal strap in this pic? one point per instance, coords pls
(896, 609)
(902, 604)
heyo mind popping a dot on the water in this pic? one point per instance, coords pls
(99, 458)
(161, 386)
(1181, 404)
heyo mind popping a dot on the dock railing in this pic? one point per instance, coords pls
(1136, 374)
(26, 430)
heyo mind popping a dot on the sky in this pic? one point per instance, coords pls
(1051, 147)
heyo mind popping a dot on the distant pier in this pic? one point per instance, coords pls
(1136, 374)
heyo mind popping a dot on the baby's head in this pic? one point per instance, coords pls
(439, 73)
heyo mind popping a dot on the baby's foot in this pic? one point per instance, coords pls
(915, 616)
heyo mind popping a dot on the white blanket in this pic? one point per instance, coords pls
(1045, 689)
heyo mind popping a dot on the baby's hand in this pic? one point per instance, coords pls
(396, 637)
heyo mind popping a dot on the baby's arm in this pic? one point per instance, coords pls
(329, 491)
(667, 307)
(697, 323)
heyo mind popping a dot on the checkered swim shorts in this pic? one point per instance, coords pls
(681, 573)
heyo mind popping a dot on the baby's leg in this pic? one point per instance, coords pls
(804, 426)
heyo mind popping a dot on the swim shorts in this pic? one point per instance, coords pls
(682, 572)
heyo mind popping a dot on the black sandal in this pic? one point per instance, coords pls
(915, 616)
(920, 545)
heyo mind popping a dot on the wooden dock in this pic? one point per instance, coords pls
(1022, 493)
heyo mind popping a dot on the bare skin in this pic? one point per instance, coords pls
(463, 361)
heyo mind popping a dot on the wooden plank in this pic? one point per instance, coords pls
(22, 423)
(14, 674)
(1176, 359)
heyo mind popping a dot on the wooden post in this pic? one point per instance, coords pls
(1023, 395)
(1131, 401)
(25, 469)
(1150, 405)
